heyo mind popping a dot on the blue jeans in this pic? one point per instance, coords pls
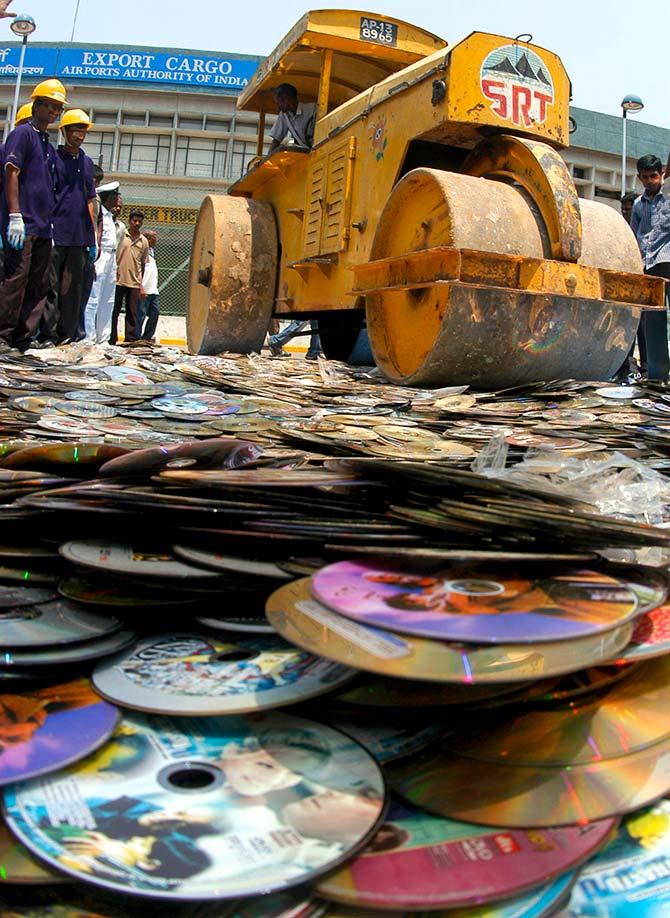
(295, 328)
(654, 328)
(147, 310)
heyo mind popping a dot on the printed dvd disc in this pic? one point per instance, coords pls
(629, 878)
(481, 603)
(308, 624)
(58, 622)
(206, 809)
(246, 624)
(127, 559)
(540, 903)
(196, 675)
(17, 865)
(44, 729)
(12, 596)
(419, 861)
(70, 653)
(627, 717)
(520, 796)
(651, 637)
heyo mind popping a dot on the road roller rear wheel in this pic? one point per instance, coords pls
(489, 337)
(232, 275)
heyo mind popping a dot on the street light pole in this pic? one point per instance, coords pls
(17, 88)
(22, 25)
(623, 155)
(629, 103)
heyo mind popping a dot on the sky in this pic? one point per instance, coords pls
(606, 51)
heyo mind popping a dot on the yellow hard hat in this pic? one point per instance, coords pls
(75, 116)
(24, 113)
(50, 89)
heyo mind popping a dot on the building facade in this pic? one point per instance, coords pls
(166, 126)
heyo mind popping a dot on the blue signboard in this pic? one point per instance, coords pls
(137, 65)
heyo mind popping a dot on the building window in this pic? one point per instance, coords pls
(164, 121)
(148, 154)
(190, 123)
(217, 124)
(200, 157)
(101, 117)
(579, 172)
(137, 119)
(99, 146)
(242, 153)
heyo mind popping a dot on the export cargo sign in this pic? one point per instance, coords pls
(138, 65)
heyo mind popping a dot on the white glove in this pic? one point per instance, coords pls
(16, 231)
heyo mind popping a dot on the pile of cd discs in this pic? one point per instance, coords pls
(283, 641)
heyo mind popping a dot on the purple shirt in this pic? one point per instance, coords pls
(30, 151)
(76, 187)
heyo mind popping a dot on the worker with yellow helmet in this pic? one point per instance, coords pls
(74, 233)
(24, 114)
(28, 201)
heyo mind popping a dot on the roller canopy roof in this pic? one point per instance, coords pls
(367, 48)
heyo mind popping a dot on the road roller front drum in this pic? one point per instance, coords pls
(488, 337)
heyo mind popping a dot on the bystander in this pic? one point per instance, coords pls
(148, 311)
(131, 261)
(650, 221)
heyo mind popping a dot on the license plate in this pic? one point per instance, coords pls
(378, 31)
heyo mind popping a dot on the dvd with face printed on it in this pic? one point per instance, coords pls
(303, 621)
(487, 603)
(206, 808)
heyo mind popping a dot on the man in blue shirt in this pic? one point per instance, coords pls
(28, 201)
(649, 221)
(74, 231)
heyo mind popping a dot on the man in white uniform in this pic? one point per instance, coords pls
(100, 306)
(295, 124)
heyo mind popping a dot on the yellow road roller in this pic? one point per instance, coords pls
(433, 210)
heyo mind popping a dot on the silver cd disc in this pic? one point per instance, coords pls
(211, 808)
(75, 653)
(185, 673)
(246, 624)
(12, 595)
(57, 622)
